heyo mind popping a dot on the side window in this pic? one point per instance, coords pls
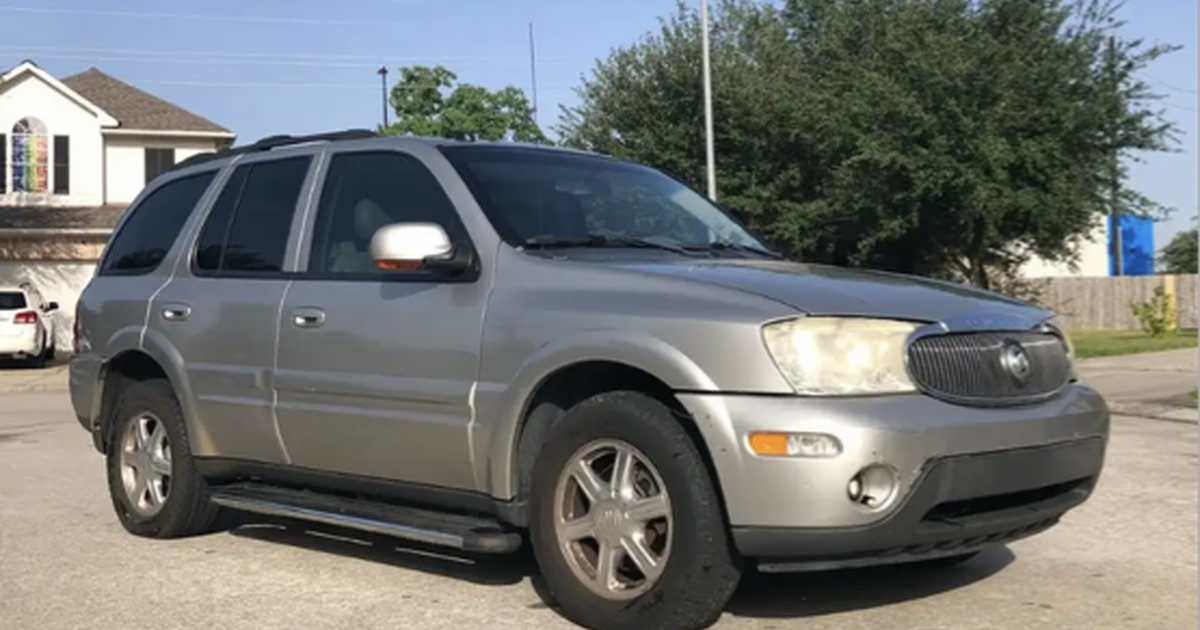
(247, 230)
(148, 234)
(365, 191)
(210, 246)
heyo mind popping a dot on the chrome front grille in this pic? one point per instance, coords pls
(977, 368)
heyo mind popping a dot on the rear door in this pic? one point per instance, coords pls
(112, 308)
(221, 309)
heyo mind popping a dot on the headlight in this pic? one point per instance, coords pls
(1056, 326)
(825, 356)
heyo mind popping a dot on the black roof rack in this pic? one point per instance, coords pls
(275, 142)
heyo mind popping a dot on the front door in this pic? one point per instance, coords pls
(376, 369)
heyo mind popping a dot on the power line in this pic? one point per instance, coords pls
(1171, 86)
(1183, 107)
(365, 85)
(232, 54)
(197, 16)
(236, 61)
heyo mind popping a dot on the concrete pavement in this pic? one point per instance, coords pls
(1126, 560)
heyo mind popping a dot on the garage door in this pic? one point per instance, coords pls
(60, 282)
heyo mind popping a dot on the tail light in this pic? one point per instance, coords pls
(26, 317)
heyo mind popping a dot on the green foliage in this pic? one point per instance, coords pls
(430, 102)
(1156, 315)
(954, 138)
(1179, 256)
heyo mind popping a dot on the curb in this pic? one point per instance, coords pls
(1167, 411)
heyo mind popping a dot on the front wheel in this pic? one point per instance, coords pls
(627, 525)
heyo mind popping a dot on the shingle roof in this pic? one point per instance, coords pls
(134, 108)
(51, 218)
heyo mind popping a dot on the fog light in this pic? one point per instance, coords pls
(873, 487)
(794, 444)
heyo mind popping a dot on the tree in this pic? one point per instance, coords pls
(1179, 256)
(431, 102)
(954, 138)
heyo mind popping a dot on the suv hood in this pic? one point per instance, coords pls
(827, 290)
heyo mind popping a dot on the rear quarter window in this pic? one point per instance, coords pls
(11, 301)
(153, 225)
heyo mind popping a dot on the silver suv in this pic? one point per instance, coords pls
(473, 345)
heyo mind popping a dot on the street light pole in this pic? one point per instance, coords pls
(709, 151)
(383, 72)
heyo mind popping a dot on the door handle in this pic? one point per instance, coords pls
(176, 312)
(308, 317)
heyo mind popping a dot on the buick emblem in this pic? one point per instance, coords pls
(1015, 361)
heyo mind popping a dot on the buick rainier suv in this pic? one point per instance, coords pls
(481, 346)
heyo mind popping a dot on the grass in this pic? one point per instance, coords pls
(1107, 343)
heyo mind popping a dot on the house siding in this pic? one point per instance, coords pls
(125, 161)
(31, 97)
(1093, 251)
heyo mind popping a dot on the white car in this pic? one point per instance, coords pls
(26, 328)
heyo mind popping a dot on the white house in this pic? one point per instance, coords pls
(74, 152)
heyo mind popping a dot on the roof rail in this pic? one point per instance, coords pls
(275, 142)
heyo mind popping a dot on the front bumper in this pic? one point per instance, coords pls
(964, 476)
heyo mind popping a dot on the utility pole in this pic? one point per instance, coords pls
(1114, 194)
(709, 151)
(533, 74)
(383, 72)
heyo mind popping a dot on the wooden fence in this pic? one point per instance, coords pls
(1104, 302)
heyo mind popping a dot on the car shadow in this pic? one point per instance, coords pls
(760, 595)
(488, 570)
(27, 365)
(800, 595)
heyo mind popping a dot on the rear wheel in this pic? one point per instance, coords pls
(155, 488)
(38, 361)
(627, 526)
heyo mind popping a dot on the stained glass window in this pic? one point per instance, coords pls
(30, 157)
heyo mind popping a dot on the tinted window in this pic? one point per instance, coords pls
(366, 191)
(11, 301)
(247, 230)
(532, 193)
(210, 246)
(150, 231)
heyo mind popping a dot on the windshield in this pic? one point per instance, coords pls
(537, 196)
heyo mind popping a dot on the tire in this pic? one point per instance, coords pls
(182, 507)
(699, 568)
(39, 360)
(51, 352)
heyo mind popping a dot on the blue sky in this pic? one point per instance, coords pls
(262, 67)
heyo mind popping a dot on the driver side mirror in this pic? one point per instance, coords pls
(51, 307)
(417, 246)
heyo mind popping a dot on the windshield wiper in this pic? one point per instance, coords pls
(600, 240)
(737, 247)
